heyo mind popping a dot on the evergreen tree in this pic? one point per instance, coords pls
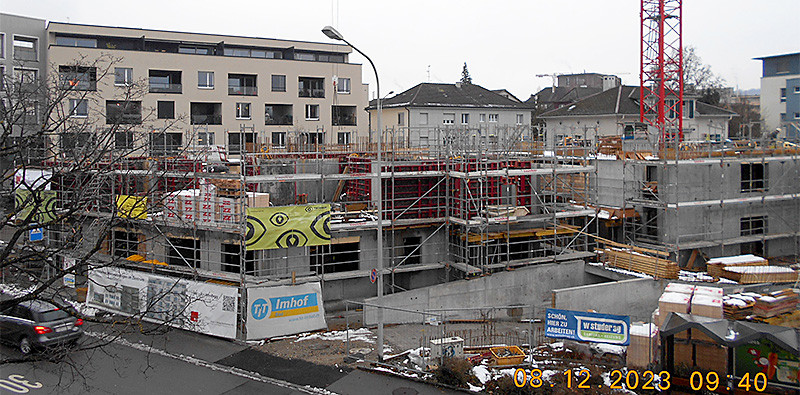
(465, 77)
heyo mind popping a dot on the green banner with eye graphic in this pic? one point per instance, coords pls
(288, 226)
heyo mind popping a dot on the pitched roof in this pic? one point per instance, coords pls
(562, 94)
(622, 100)
(448, 95)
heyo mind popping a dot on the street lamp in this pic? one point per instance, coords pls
(335, 35)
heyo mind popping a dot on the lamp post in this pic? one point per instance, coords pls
(335, 35)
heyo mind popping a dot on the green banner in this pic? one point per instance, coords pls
(763, 356)
(288, 226)
(45, 207)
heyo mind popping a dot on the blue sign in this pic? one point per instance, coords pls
(36, 234)
(260, 309)
(588, 327)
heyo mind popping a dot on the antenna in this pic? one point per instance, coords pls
(429, 73)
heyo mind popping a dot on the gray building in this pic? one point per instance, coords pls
(780, 95)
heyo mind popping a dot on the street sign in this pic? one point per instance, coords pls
(36, 234)
(373, 275)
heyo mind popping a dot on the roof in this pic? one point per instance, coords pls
(506, 93)
(622, 100)
(732, 333)
(777, 56)
(448, 95)
(562, 94)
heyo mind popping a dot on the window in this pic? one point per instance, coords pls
(688, 109)
(76, 42)
(253, 53)
(311, 87)
(343, 138)
(756, 225)
(278, 83)
(205, 138)
(312, 112)
(78, 78)
(520, 119)
(196, 50)
(279, 139)
(448, 118)
(75, 141)
(482, 118)
(123, 76)
(304, 56)
(205, 113)
(423, 118)
(123, 140)
(783, 116)
(343, 115)
(401, 118)
(797, 115)
(2, 45)
(181, 252)
(278, 114)
(2, 76)
(166, 110)
(242, 110)
(753, 177)
(343, 85)
(205, 79)
(464, 119)
(125, 243)
(492, 117)
(166, 143)
(78, 108)
(123, 112)
(26, 48)
(783, 95)
(26, 76)
(238, 144)
(797, 89)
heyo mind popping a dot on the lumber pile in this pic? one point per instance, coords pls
(716, 265)
(738, 306)
(776, 303)
(634, 261)
(760, 274)
(672, 302)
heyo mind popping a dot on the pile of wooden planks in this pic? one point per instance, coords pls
(776, 303)
(716, 265)
(760, 274)
(631, 260)
(739, 306)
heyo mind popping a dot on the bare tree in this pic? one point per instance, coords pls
(66, 155)
(699, 78)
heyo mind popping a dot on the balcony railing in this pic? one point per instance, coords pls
(279, 120)
(205, 119)
(344, 120)
(320, 93)
(243, 90)
(157, 87)
(124, 119)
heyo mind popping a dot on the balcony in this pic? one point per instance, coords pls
(242, 85)
(78, 78)
(242, 90)
(278, 114)
(205, 113)
(311, 87)
(344, 115)
(163, 81)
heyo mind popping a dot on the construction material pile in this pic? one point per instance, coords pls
(739, 306)
(715, 266)
(760, 274)
(776, 303)
(638, 262)
(643, 348)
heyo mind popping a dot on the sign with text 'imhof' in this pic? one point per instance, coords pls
(588, 327)
(284, 310)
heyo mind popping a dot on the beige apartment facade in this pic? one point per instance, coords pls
(189, 89)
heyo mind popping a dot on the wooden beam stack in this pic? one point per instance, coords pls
(776, 303)
(631, 260)
(716, 265)
(760, 274)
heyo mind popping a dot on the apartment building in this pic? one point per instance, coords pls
(780, 95)
(243, 93)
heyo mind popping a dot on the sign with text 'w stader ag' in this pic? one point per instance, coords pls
(588, 327)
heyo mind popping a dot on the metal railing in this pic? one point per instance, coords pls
(243, 90)
(157, 87)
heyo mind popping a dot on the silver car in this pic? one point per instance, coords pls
(38, 324)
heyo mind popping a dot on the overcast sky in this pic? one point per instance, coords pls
(505, 43)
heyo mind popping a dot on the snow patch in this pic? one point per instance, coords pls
(361, 334)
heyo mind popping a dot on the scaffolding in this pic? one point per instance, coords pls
(458, 202)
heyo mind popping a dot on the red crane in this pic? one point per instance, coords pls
(661, 72)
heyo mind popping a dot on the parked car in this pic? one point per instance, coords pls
(36, 324)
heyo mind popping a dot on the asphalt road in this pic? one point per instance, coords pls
(178, 362)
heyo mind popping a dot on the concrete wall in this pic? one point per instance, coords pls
(636, 298)
(530, 287)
